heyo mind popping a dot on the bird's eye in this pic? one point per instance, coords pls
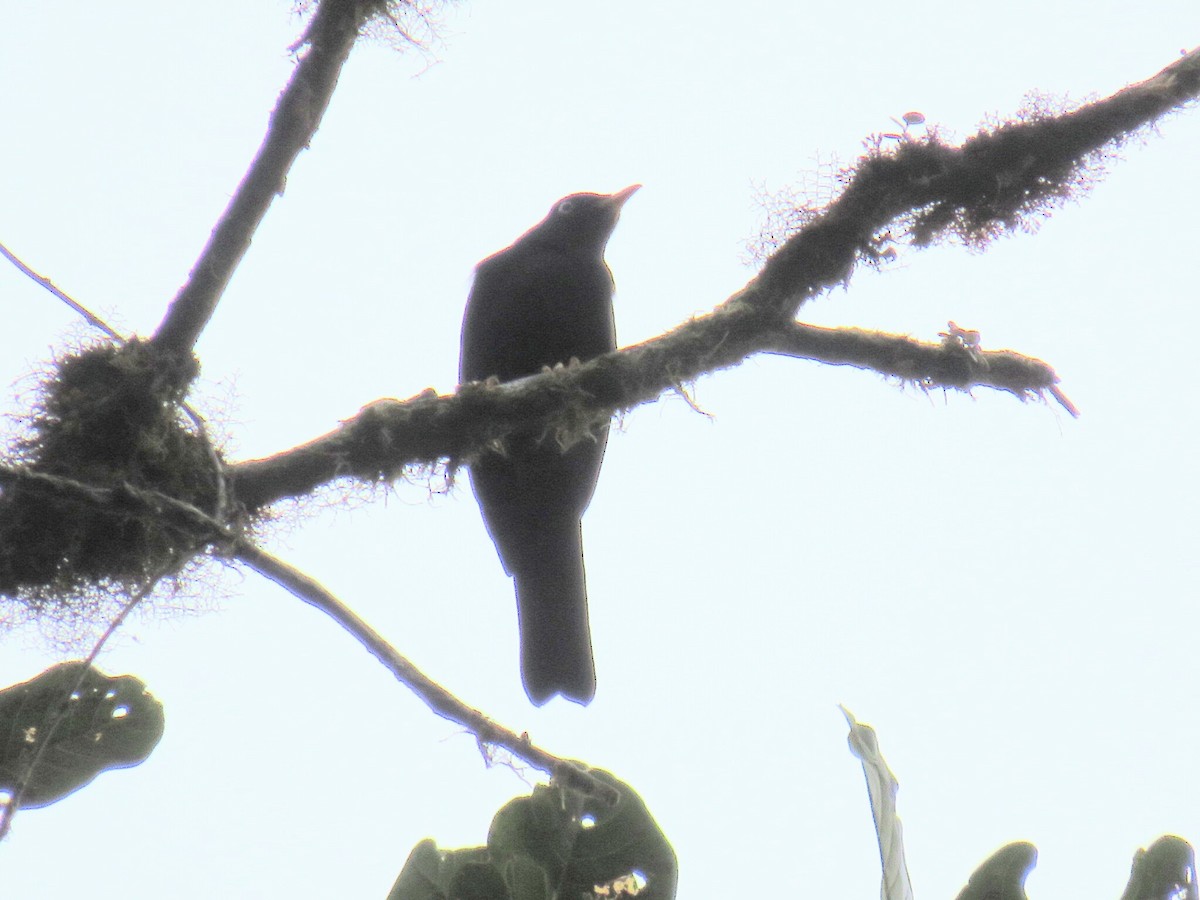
(565, 206)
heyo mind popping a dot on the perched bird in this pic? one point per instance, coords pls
(543, 301)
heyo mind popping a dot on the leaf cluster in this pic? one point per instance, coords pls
(557, 842)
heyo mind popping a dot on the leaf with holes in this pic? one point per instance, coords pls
(554, 843)
(61, 729)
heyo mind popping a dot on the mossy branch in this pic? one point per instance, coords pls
(991, 184)
(568, 402)
(985, 187)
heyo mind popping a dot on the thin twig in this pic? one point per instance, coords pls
(45, 282)
(436, 697)
(156, 502)
(218, 466)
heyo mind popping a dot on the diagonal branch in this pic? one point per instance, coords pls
(993, 183)
(207, 530)
(329, 37)
(90, 317)
(436, 697)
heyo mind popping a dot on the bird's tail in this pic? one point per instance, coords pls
(556, 640)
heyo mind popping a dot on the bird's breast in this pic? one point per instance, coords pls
(533, 309)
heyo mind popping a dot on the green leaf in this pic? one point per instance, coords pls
(555, 843)
(1002, 875)
(478, 881)
(526, 880)
(537, 828)
(622, 840)
(580, 843)
(58, 731)
(419, 878)
(1163, 871)
(433, 874)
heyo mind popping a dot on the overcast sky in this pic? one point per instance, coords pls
(1006, 594)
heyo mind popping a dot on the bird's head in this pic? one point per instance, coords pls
(582, 221)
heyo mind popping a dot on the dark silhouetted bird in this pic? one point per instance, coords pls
(540, 302)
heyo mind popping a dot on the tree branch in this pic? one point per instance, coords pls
(991, 184)
(569, 402)
(329, 37)
(436, 697)
(956, 362)
(206, 529)
(986, 186)
(90, 317)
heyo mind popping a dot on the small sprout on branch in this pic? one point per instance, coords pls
(905, 122)
(956, 338)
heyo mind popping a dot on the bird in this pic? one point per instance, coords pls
(543, 301)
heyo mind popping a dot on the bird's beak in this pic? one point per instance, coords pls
(618, 199)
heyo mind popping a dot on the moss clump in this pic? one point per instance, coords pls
(108, 418)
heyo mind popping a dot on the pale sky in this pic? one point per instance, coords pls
(1006, 594)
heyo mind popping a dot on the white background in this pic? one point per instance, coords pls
(1006, 594)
